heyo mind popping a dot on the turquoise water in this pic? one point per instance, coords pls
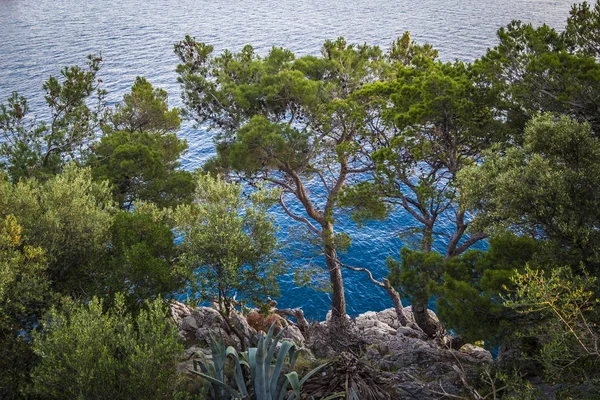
(137, 37)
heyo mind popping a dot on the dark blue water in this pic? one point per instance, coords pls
(38, 37)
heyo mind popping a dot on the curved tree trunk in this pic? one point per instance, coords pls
(395, 296)
(423, 319)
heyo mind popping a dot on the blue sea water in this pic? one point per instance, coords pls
(135, 37)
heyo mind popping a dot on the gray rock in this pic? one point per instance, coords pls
(419, 366)
(293, 334)
(477, 353)
(197, 328)
(189, 323)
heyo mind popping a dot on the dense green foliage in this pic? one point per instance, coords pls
(32, 149)
(471, 293)
(142, 258)
(86, 352)
(63, 234)
(93, 204)
(563, 311)
(69, 216)
(139, 151)
(291, 122)
(545, 188)
(441, 124)
(24, 294)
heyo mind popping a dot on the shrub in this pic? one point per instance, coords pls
(89, 353)
(562, 308)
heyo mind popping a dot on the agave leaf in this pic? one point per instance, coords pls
(292, 377)
(238, 374)
(283, 351)
(262, 369)
(282, 381)
(219, 383)
(311, 373)
(252, 361)
(243, 356)
(269, 335)
(218, 351)
(294, 353)
(282, 388)
(273, 344)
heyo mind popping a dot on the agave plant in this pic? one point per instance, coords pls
(267, 380)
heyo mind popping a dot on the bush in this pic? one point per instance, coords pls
(562, 308)
(89, 353)
(24, 295)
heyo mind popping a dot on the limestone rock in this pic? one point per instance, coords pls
(293, 334)
(417, 364)
(179, 311)
(204, 322)
(476, 352)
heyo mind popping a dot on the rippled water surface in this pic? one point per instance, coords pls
(38, 37)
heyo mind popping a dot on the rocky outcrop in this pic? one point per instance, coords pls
(414, 365)
(198, 325)
(417, 366)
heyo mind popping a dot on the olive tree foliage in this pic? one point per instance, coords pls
(229, 244)
(69, 216)
(88, 352)
(31, 148)
(24, 296)
(139, 150)
(294, 123)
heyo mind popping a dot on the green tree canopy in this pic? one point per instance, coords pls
(546, 188)
(69, 216)
(294, 123)
(139, 151)
(561, 309)
(24, 296)
(144, 109)
(75, 102)
(142, 258)
(229, 244)
(538, 69)
(442, 123)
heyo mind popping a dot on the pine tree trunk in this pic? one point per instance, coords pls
(427, 241)
(423, 319)
(338, 300)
